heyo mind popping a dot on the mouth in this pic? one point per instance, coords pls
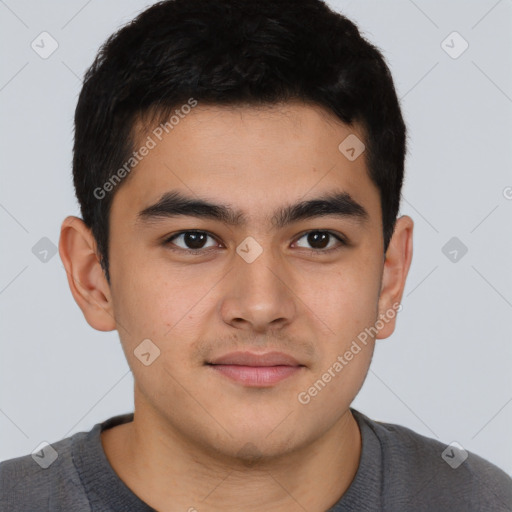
(256, 370)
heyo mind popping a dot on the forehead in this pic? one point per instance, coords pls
(252, 156)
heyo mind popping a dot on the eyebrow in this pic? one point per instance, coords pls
(174, 204)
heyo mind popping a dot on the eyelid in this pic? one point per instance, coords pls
(168, 240)
(338, 236)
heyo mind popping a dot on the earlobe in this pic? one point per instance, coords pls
(397, 262)
(87, 282)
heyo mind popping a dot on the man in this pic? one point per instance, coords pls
(239, 166)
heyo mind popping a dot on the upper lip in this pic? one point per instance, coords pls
(256, 359)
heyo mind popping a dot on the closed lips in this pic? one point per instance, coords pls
(255, 359)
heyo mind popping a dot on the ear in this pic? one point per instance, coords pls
(397, 261)
(90, 289)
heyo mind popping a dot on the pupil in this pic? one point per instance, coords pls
(318, 239)
(194, 240)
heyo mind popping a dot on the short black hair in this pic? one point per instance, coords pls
(231, 53)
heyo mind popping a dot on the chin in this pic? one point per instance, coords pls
(256, 445)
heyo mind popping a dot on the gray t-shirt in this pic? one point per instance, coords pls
(399, 470)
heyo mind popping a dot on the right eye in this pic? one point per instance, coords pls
(193, 241)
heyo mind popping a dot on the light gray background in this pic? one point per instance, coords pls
(444, 373)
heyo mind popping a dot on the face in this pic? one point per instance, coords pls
(219, 286)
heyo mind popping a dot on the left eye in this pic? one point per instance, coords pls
(319, 240)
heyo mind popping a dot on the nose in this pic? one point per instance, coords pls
(259, 295)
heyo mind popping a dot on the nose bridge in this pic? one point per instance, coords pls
(258, 293)
(260, 276)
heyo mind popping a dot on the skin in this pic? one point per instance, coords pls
(198, 439)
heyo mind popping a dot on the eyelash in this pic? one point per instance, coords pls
(168, 242)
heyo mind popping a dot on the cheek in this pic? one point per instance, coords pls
(168, 308)
(347, 298)
(150, 296)
(349, 306)
(350, 309)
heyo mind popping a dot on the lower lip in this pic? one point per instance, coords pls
(256, 376)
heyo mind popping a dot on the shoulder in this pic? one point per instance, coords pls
(44, 480)
(444, 475)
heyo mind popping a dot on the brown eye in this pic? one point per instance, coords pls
(190, 241)
(320, 241)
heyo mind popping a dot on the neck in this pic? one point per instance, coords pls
(168, 472)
